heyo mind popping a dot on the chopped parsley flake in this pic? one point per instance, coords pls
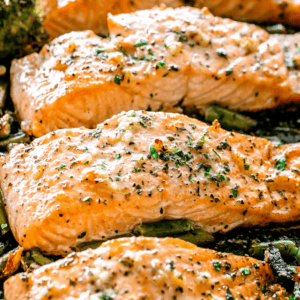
(86, 199)
(280, 163)
(245, 271)
(246, 167)
(235, 192)
(135, 170)
(117, 156)
(118, 178)
(217, 265)
(62, 166)
(140, 43)
(215, 152)
(153, 152)
(161, 64)
(117, 79)
(297, 170)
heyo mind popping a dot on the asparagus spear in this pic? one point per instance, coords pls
(87, 245)
(39, 258)
(197, 237)
(286, 248)
(3, 219)
(96, 244)
(163, 228)
(229, 119)
(20, 137)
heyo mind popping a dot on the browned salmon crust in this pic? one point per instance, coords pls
(78, 185)
(155, 60)
(66, 16)
(147, 268)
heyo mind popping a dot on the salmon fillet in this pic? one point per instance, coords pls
(147, 268)
(79, 185)
(66, 16)
(155, 60)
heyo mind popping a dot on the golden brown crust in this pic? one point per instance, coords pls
(158, 62)
(79, 185)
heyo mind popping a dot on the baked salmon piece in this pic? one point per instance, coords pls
(147, 268)
(78, 185)
(66, 16)
(155, 60)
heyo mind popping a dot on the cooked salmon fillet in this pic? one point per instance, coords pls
(155, 60)
(79, 185)
(63, 16)
(66, 16)
(147, 268)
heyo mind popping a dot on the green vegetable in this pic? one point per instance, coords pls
(95, 244)
(280, 163)
(140, 43)
(38, 257)
(20, 137)
(196, 236)
(163, 228)
(229, 119)
(153, 152)
(286, 248)
(3, 218)
(20, 28)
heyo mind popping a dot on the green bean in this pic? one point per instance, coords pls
(39, 258)
(96, 244)
(5, 125)
(163, 228)
(229, 119)
(20, 137)
(197, 237)
(3, 219)
(88, 245)
(286, 248)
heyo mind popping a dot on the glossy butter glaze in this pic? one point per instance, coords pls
(78, 185)
(155, 60)
(147, 268)
(65, 16)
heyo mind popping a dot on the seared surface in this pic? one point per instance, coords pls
(78, 185)
(160, 61)
(65, 16)
(147, 268)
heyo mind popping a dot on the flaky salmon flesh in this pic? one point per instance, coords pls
(66, 16)
(147, 268)
(78, 185)
(157, 60)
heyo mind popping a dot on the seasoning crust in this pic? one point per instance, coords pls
(78, 185)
